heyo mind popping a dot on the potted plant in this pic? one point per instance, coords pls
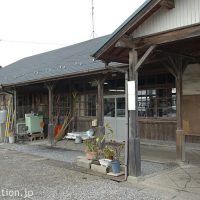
(92, 147)
(115, 164)
(108, 152)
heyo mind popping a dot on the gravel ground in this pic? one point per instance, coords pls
(30, 174)
(69, 156)
(45, 151)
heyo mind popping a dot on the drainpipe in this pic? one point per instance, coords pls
(127, 125)
(124, 71)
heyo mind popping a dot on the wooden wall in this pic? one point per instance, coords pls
(158, 129)
(191, 114)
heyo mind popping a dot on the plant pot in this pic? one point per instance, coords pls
(11, 139)
(109, 157)
(115, 166)
(91, 155)
(105, 162)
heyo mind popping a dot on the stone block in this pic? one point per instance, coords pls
(115, 174)
(99, 168)
(83, 162)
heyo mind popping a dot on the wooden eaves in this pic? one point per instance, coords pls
(137, 18)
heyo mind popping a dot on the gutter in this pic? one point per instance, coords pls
(58, 77)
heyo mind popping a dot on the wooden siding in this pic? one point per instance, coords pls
(185, 13)
(157, 129)
(191, 114)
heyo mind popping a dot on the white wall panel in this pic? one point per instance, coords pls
(186, 12)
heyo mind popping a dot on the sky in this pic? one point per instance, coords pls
(29, 27)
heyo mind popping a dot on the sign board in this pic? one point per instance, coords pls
(131, 95)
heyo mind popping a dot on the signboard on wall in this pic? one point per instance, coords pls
(131, 95)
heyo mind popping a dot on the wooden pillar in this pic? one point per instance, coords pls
(100, 107)
(176, 67)
(134, 158)
(15, 110)
(50, 87)
(33, 102)
(180, 138)
(100, 102)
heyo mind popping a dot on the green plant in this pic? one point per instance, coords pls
(108, 152)
(91, 145)
(118, 147)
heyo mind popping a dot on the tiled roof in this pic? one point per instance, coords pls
(61, 62)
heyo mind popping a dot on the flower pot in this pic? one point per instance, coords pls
(105, 162)
(11, 139)
(115, 166)
(91, 155)
(109, 157)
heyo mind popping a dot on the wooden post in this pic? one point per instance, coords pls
(50, 87)
(100, 110)
(176, 67)
(180, 138)
(100, 106)
(15, 110)
(33, 103)
(134, 158)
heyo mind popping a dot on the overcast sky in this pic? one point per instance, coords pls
(29, 27)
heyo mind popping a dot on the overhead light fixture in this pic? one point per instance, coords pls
(105, 83)
(112, 90)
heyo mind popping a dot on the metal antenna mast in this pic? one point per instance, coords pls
(93, 32)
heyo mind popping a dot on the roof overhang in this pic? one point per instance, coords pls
(137, 18)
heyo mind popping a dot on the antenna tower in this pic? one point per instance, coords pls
(93, 32)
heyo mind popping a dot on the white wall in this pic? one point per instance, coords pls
(191, 80)
(186, 12)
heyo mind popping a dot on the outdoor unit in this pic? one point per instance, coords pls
(34, 123)
(21, 128)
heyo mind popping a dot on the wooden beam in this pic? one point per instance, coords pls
(134, 157)
(100, 102)
(180, 140)
(125, 42)
(50, 87)
(169, 4)
(171, 53)
(176, 66)
(172, 36)
(144, 57)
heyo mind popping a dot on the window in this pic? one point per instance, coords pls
(109, 107)
(157, 96)
(120, 103)
(114, 106)
(86, 105)
(157, 103)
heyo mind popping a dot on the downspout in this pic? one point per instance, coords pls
(127, 125)
(124, 71)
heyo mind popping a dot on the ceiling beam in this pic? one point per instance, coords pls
(171, 53)
(172, 36)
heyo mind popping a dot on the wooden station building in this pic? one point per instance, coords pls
(160, 43)
(156, 48)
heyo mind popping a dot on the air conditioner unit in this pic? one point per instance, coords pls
(21, 128)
